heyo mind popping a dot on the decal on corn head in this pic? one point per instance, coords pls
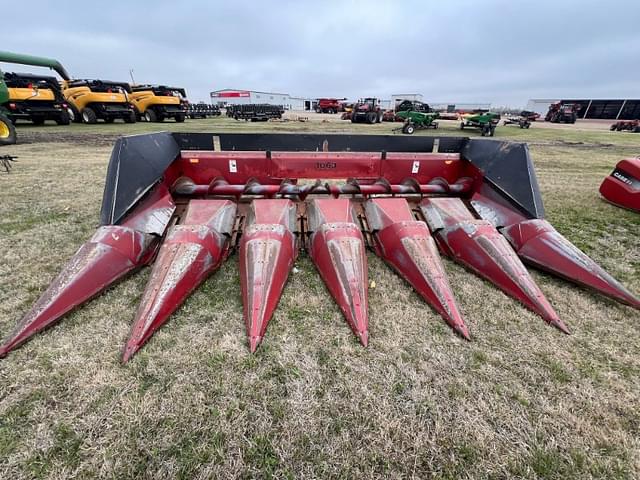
(188, 201)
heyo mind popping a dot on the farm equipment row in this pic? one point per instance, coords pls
(38, 98)
(255, 112)
(186, 202)
(202, 110)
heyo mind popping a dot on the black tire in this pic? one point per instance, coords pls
(436, 125)
(527, 125)
(109, 120)
(7, 131)
(63, 119)
(73, 113)
(131, 118)
(461, 125)
(179, 118)
(353, 118)
(492, 131)
(372, 118)
(38, 120)
(150, 115)
(409, 129)
(89, 116)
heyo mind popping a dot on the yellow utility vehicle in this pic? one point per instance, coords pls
(154, 103)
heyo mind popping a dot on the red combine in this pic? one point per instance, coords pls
(185, 202)
(367, 111)
(330, 105)
(622, 187)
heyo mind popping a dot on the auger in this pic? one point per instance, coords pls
(184, 203)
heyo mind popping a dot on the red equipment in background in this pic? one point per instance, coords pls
(622, 187)
(330, 105)
(196, 198)
(562, 113)
(367, 111)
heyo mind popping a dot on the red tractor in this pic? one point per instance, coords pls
(562, 113)
(330, 105)
(367, 111)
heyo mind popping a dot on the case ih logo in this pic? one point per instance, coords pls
(325, 165)
(622, 178)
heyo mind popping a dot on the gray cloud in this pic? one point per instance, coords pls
(503, 52)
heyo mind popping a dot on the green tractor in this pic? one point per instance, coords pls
(417, 120)
(486, 122)
(7, 128)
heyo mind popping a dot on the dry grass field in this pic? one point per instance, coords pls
(519, 401)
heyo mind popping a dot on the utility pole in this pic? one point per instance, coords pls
(133, 82)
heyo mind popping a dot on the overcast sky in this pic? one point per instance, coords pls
(503, 52)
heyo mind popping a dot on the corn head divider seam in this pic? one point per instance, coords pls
(190, 200)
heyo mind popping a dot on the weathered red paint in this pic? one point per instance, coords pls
(337, 248)
(622, 187)
(109, 255)
(539, 244)
(480, 247)
(267, 252)
(191, 251)
(237, 168)
(329, 228)
(406, 245)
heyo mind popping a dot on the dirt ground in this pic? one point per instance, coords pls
(521, 400)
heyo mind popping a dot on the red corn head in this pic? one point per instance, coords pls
(539, 244)
(191, 251)
(408, 247)
(337, 249)
(112, 252)
(479, 246)
(267, 252)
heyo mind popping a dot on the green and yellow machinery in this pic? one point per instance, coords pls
(486, 122)
(154, 103)
(35, 100)
(417, 120)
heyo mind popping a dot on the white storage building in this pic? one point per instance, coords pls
(230, 96)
